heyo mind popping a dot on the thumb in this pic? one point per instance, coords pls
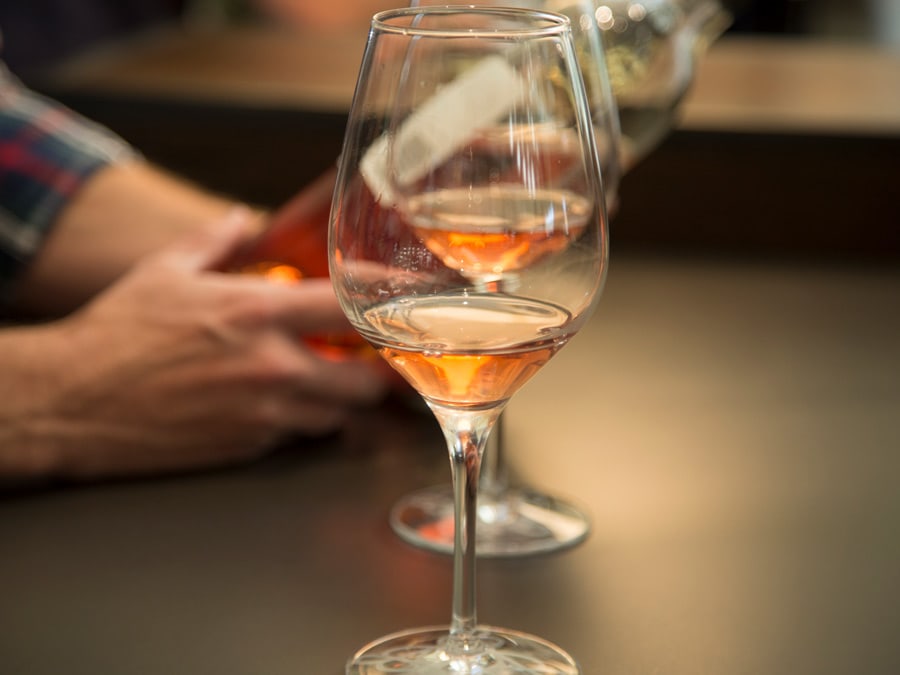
(311, 201)
(206, 249)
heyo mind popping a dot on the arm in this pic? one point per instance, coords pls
(174, 367)
(122, 212)
(161, 363)
(82, 198)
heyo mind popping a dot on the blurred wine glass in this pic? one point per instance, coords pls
(515, 519)
(638, 59)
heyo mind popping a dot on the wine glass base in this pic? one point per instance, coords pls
(514, 522)
(489, 651)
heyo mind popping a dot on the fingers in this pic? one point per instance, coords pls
(286, 366)
(348, 382)
(311, 308)
(296, 234)
(309, 417)
(313, 415)
(309, 201)
(205, 250)
(299, 391)
(307, 307)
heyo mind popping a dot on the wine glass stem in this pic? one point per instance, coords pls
(466, 467)
(466, 433)
(494, 473)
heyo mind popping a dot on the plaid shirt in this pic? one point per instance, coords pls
(46, 153)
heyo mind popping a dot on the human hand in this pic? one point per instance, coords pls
(296, 234)
(176, 366)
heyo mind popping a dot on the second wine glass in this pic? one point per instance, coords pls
(517, 519)
(637, 59)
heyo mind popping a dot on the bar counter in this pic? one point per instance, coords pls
(731, 427)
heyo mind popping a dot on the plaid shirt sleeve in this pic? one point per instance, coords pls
(46, 153)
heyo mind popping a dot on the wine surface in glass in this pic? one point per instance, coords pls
(491, 230)
(464, 349)
(469, 348)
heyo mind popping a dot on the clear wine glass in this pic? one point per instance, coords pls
(517, 519)
(468, 245)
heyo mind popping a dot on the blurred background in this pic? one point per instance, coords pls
(787, 144)
(732, 425)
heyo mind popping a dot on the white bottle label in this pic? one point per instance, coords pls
(447, 120)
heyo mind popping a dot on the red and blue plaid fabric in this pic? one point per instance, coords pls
(46, 154)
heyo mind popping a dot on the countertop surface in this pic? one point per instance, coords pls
(732, 428)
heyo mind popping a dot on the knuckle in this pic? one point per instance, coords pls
(280, 360)
(287, 413)
(247, 312)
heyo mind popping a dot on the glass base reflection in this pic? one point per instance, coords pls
(512, 522)
(487, 651)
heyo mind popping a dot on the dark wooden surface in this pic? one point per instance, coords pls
(731, 428)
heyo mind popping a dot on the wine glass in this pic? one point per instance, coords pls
(468, 245)
(517, 519)
(638, 59)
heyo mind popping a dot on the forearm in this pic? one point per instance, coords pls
(78, 205)
(123, 212)
(33, 367)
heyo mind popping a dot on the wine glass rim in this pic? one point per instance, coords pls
(542, 22)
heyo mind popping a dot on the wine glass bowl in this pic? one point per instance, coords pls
(468, 245)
